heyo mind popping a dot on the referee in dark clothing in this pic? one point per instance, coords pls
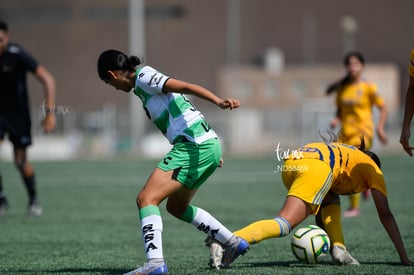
(15, 121)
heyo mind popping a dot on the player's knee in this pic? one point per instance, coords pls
(284, 225)
(144, 199)
(139, 200)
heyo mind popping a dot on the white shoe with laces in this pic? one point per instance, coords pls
(216, 253)
(341, 256)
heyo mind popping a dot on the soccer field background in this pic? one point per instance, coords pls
(90, 222)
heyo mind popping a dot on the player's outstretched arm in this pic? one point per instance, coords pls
(177, 86)
(390, 225)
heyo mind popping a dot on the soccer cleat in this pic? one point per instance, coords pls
(351, 213)
(150, 269)
(233, 248)
(216, 252)
(34, 210)
(4, 206)
(341, 256)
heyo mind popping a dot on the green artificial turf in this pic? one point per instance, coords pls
(90, 222)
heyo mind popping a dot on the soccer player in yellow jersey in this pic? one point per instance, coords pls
(409, 110)
(355, 97)
(315, 175)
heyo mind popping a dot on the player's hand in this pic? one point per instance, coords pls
(221, 163)
(405, 142)
(229, 103)
(49, 123)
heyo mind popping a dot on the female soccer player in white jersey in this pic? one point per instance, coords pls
(195, 155)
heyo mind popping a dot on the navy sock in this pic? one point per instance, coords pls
(30, 184)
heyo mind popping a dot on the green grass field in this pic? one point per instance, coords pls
(90, 223)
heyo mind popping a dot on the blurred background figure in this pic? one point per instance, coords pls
(355, 97)
(281, 75)
(409, 110)
(15, 121)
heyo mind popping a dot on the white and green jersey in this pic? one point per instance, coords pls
(172, 113)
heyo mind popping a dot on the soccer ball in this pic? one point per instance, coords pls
(310, 243)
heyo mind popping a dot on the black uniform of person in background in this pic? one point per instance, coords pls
(15, 122)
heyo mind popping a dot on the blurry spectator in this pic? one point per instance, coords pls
(355, 97)
(15, 119)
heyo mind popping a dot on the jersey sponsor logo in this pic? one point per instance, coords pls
(148, 234)
(155, 79)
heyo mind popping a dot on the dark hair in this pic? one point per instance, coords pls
(356, 54)
(113, 60)
(372, 155)
(3, 26)
(346, 79)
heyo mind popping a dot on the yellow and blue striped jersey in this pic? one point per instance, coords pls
(352, 170)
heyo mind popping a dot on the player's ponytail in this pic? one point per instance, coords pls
(338, 84)
(372, 155)
(133, 62)
(113, 60)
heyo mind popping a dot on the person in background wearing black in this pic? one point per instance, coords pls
(15, 121)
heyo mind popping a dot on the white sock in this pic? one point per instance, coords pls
(151, 228)
(210, 225)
